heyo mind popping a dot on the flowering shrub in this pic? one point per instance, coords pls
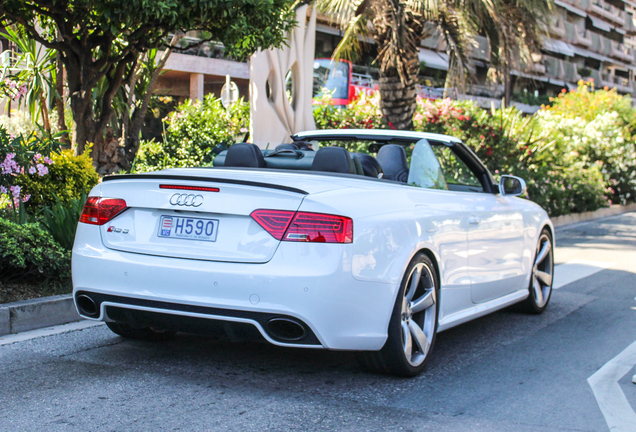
(595, 128)
(13, 89)
(509, 143)
(193, 130)
(69, 177)
(21, 156)
(363, 113)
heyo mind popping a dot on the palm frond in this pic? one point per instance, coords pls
(351, 44)
(342, 11)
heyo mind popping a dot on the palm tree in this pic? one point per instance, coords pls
(398, 27)
(32, 67)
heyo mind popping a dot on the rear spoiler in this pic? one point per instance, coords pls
(203, 179)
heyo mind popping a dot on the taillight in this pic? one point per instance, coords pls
(98, 211)
(305, 227)
(274, 222)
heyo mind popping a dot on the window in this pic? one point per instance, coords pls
(456, 173)
(425, 170)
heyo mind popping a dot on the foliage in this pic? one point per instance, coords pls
(61, 220)
(564, 190)
(595, 128)
(29, 252)
(23, 157)
(69, 177)
(398, 28)
(193, 130)
(510, 143)
(101, 38)
(19, 123)
(363, 113)
(30, 72)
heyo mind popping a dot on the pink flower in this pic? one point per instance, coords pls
(3, 190)
(32, 170)
(9, 165)
(21, 92)
(26, 198)
(15, 191)
(42, 170)
(37, 157)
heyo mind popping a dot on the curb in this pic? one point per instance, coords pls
(37, 313)
(56, 310)
(574, 218)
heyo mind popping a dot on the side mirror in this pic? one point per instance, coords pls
(511, 185)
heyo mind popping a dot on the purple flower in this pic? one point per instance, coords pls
(15, 191)
(3, 190)
(32, 170)
(42, 170)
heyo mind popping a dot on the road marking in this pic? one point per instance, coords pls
(574, 270)
(48, 331)
(619, 415)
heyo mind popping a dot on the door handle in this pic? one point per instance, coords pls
(474, 220)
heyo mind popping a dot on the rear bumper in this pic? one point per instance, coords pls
(310, 283)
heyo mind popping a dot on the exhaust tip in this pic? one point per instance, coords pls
(86, 305)
(286, 330)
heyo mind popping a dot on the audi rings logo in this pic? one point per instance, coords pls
(188, 200)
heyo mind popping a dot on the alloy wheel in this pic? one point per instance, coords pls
(419, 314)
(542, 271)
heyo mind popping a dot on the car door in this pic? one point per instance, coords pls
(495, 230)
(443, 215)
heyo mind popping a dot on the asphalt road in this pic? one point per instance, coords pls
(505, 372)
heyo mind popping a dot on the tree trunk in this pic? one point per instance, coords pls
(59, 99)
(132, 137)
(83, 124)
(46, 122)
(397, 101)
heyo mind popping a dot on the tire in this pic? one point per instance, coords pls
(414, 315)
(146, 334)
(540, 287)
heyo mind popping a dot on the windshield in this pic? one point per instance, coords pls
(333, 76)
(425, 170)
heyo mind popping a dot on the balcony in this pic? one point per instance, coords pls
(620, 51)
(480, 50)
(629, 26)
(553, 67)
(535, 66)
(556, 27)
(606, 10)
(624, 85)
(601, 44)
(577, 36)
(595, 74)
(581, 4)
(570, 72)
(435, 41)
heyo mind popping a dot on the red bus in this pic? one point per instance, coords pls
(339, 78)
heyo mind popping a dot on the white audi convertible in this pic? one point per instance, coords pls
(309, 245)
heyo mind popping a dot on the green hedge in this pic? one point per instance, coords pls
(28, 252)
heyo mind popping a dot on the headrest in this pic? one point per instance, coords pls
(244, 155)
(286, 147)
(333, 159)
(303, 145)
(370, 166)
(392, 158)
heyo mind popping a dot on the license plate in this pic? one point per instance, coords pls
(188, 228)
